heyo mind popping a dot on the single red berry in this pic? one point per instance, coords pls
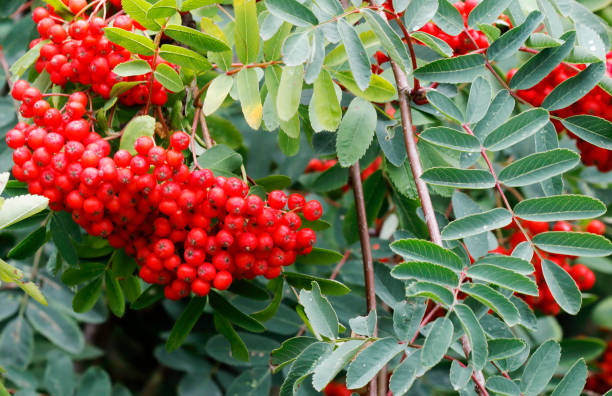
(313, 210)
(277, 199)
(596, 227)
(222, 280)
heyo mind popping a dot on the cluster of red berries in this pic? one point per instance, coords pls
(597, 103)
(584, 277)
(78, 52)
(188, 230)
(601, 381)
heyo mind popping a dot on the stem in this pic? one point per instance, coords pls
(340, 264)
(33, 274)
(205, 132)
(194, 126)
(158, 37)
(366, 251)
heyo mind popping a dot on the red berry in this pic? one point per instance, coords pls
(596, 227)
(313, 210)
(277, 199)
(222, 280)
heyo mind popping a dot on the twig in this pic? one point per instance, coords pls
(366, 251)
(340, 264)
(161, 118)
(205, 132)
(194, 127)
(223, 10)
(158, 37)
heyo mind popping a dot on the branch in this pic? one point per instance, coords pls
(366, 250)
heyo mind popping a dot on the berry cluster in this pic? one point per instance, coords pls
(597, 103)
(601, 382)
(188, 230)
(78, 52)
(584, 277)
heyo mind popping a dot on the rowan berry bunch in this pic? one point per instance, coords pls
(596, 103)
(601, 381)
(188, 229)
(582, 275)
(78, 52)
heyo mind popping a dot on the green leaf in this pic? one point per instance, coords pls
(87, 296)
(250, 101)
(502, 348)
(602, 314)
(327, 369)
(357, 56)
(289, 351)
(138, 10)
(404, 375)
(438, 45)
(503, 386)
(56, 327)
(162, 9)
(29, 245)
(459, 375)
(185, 58)
(445, 106)
(276, 287)
(573, 382)
(574, 88)
(487, 12)
(16, 343)
(451, 138)
(540, 66)
(338, 55)
(538, 167)
(23, 64)
(380, 90)
(223, 307)
(452, 70)
(114, 294)
(595, 130)
(426, 272)
(133, 42)
(542, 41)
(322, 317)
(238, 348)
(494, 300)
(389, 39)
(122, 87)
(137, 127)
(292, 12)
(319, 256)
(475, 333)
(573, 243)
(185, 322)
(476, 224)
(289, 92)
(448, 18)
(436, 292)
(303, 366)
(460, 178)
(503, 277)
(324, 102)
(369, 361)
(421, 250)
(478, 101)
(328, 286)
(94, 381)
(356, 131)
(510, 42)
(168, 77)
(562, 286)
(560, 207)
(540, 368)
(15, 209)
(216, 93)
(418, 13)
(296, 49)
(59, 375)
(515, 264)
(498, 112)
(253, 382)
(437, 342)
(516, 129)
(246, 31)
(196, 39)
(132, 68)
(407, 316)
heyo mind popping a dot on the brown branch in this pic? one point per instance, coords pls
(340, 264)
(205, 132)
(5, 67)
(366, 251)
